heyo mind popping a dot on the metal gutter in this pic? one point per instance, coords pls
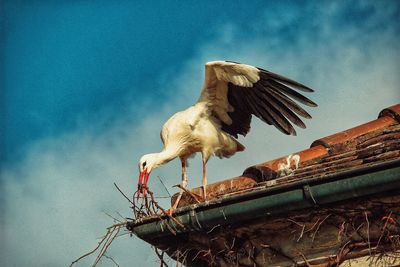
(307, 193)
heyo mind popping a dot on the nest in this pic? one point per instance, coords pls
(323, 236)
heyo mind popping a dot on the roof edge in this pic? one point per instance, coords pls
(387, 117)
(263, 202)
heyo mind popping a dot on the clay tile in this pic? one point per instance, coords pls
(393, 111)
(216, 189)
(269, 170)
(346, 140)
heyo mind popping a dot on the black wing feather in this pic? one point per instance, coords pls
(265, 94)
(289, 91)
(285, 80)
(241, 116)
(289, 103)
(272, 100)
(277, 119)
(259, 109)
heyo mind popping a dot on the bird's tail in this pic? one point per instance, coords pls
(239, 146)
(230, 149)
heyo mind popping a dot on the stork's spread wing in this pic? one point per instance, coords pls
(236, 91)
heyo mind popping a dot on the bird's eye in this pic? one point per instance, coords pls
(144, 164)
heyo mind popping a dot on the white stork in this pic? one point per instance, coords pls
(231, 94)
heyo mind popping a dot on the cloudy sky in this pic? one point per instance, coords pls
(88, 84)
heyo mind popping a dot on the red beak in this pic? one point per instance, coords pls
(142, 184)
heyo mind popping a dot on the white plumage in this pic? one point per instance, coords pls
(231, 94)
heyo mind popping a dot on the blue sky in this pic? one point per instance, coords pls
(68, 59)
(88, 84)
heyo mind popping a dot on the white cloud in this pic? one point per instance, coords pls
(56, 195)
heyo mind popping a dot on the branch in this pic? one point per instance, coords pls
(105, 242)
(123, 194)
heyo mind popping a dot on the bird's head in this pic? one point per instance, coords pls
(147, 163)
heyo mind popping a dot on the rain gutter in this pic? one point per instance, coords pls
(268, 201)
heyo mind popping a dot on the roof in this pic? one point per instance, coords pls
(262, 208)
(362, 146)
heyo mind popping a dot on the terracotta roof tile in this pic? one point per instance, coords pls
(346, 140)
(268, 170)
(393, 111)
(217, 189)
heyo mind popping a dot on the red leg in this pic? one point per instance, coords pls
(204, 181)
(184, 183)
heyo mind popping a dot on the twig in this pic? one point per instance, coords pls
(166, 189)
(187, 191)
(164, 211)
(212, 229)
(319, 225)
(293, 221)
(304, 258)
(197, 254)
(90, 252)
(312, 227)
(121, 215)
(130, 201)
(161, 257)
(341, 253)
(303, 226)
(105, 242)
(115, 219)
(369, 243)
(178, 254)
(302, 232)
(384, 228)
(106, 245)
(233, 242)
(342, 230)
(111, 259)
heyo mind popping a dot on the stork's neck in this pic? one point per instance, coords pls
(166, 155)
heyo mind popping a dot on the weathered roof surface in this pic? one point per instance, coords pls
(361, 146)
(342, 201)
